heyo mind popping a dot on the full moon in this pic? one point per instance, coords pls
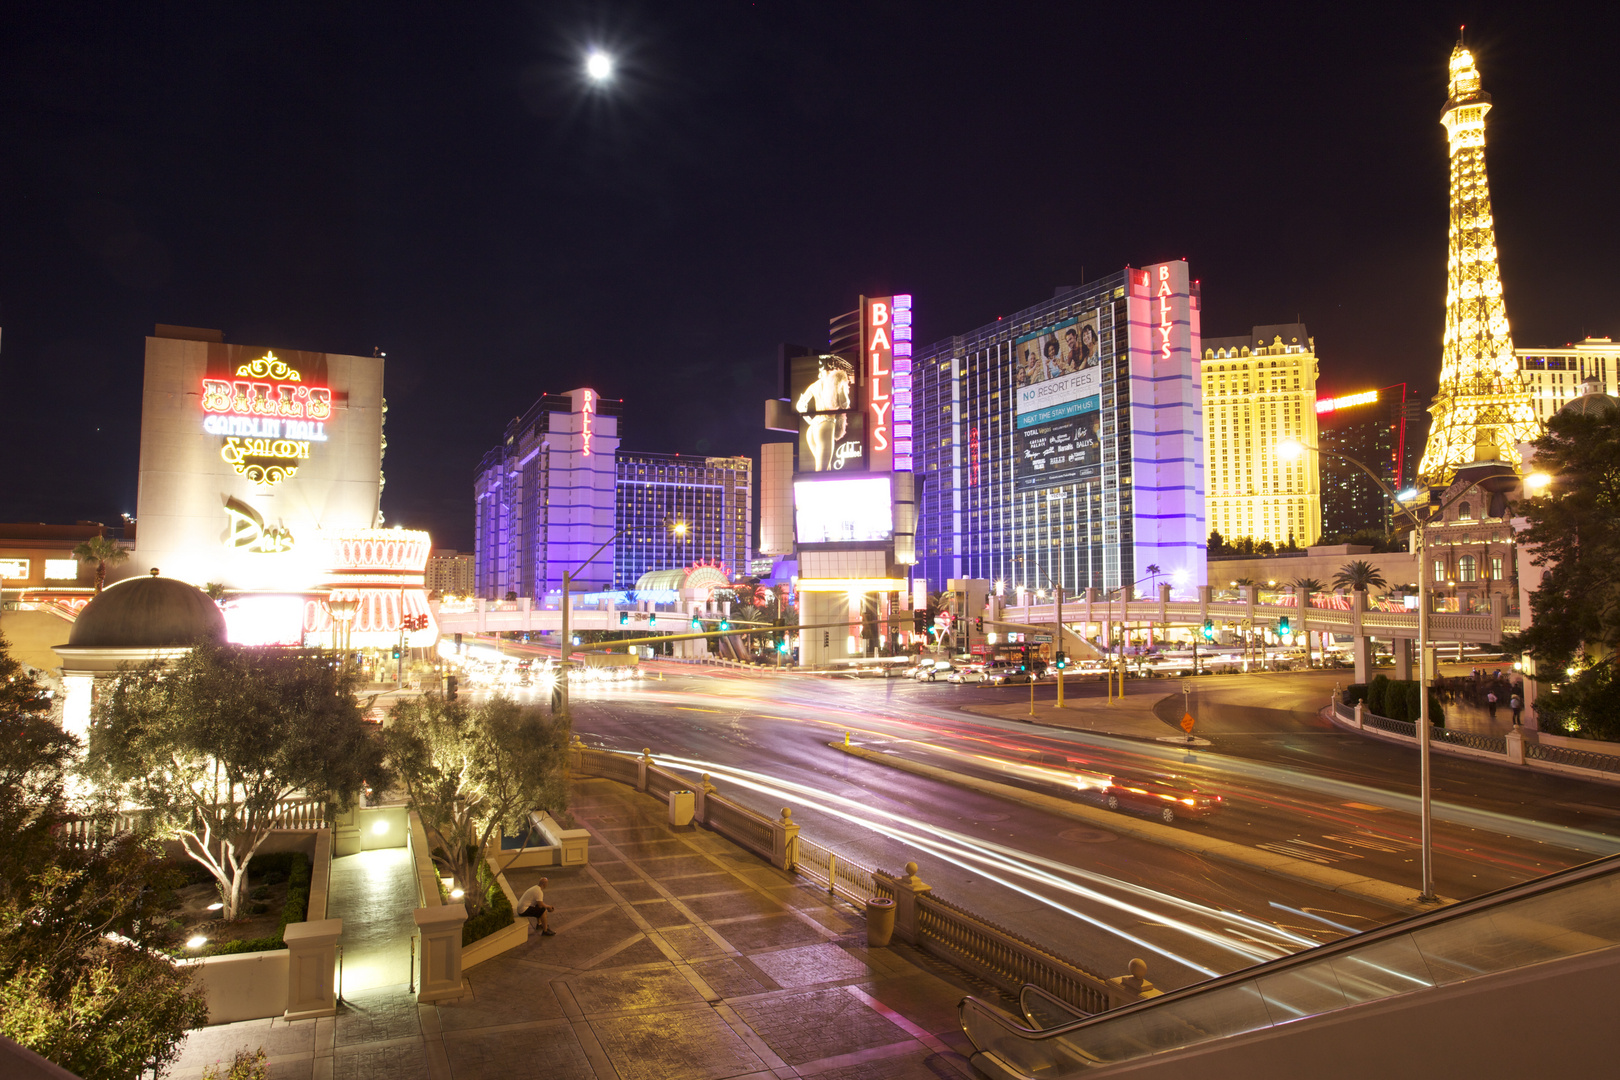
(599, 66)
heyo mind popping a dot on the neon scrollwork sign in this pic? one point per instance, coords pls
(268, 417)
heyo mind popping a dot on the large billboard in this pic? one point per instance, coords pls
(1058, 416)
(825, 392)
(857, 510)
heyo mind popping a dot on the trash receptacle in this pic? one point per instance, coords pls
(682, 807)
(879, 921)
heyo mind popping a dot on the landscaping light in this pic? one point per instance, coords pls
(457, 893)
(215, 906)
(196, 942)
(379, 826)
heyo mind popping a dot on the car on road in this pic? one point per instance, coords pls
(1163, 797)
(1002, 676)
(938, 670)
(972, 673)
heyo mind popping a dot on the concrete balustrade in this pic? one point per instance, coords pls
(312, 968)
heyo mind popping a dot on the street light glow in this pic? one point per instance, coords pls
(1290, 449)
(599, 66)
(1537, 481)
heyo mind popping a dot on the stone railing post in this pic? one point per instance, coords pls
(440, 951)
(785, 841)
(311, 965)
(906, 891)
(700, 799)
(641, 768)
(1135, 986)
(1515, 745)
(1359, 707)
(1498, 613)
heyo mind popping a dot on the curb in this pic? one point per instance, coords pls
(1374, 890)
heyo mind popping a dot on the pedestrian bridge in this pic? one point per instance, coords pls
(526, 617)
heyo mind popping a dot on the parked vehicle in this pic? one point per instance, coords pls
(1002, 676)
(1163, 797)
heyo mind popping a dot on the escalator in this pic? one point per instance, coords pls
(1518, 982)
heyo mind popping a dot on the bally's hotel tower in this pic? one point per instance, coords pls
(1063, 444)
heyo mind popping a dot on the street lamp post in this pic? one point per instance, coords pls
(567, 645)
(1293, 448)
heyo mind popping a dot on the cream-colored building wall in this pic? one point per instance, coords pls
(183, 527)
(1552, 390)
(1255, 398)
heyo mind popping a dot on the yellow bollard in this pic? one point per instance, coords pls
(846, 738)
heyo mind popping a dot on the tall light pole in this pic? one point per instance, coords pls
(1291, 449)
(567, 645)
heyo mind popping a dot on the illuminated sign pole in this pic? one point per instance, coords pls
(879, 328)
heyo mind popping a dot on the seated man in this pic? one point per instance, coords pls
(532, 905)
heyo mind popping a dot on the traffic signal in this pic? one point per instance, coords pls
(396, 653)
(1061, 661)
(451, 687)
(1282, 627)
(624, 618)
(782, 646)
(651, 618)
(978, 624)
(458, 643)
(725, 624)
(697, 625)
(1209, 629)
(920, 622)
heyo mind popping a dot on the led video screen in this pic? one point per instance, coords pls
(859, 510)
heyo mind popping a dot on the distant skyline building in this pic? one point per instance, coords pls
(1555, 377)
(450, 572)
(544, 499)
(1062, 444)
(675, 511)
(1381, 428)
(1259, 391)
(1482, 410)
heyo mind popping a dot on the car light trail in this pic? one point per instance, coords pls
(982, 854)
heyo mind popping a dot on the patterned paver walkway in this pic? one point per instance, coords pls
(678, 956)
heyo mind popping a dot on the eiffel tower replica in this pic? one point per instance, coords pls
(1483, 409)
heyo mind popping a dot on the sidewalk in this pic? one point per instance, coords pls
(678, 956)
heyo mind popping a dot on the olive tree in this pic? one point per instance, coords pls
(81, 982)
(217, 742)
(473, 770)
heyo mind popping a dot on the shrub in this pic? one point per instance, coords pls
(296, 866)
(497, 916)
(1355, 692)
(1395, 700)
(1378, 695)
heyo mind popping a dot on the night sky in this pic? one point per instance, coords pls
(438, 181)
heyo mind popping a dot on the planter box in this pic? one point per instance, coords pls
(243, 986)
(507, 937)
(562, 847)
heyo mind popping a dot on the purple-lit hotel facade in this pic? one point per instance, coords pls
(1063, 444)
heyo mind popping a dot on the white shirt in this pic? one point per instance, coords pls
(534, 894)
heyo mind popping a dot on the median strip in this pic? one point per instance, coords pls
(1388, 894)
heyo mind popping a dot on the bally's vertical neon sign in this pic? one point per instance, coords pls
(886, 327)
(1167, 321)
(587, 410)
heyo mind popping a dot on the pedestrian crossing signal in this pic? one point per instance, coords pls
(1209, 630)
(1061, 661)
(624, 618)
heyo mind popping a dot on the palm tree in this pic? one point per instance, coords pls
(101, 551)
(1357, 575)
(1246, 582)
(1153, 573)
(1304, 587)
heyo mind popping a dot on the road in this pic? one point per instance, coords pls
(1292, 785)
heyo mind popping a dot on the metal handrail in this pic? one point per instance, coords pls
(1562, 879)
(1030, 990)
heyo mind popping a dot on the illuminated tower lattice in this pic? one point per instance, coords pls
(1482, 410)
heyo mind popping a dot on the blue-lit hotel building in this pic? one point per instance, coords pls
(1063, 444)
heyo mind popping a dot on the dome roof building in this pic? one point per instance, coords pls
(1594, 402)
(133, 622)
(148, 613)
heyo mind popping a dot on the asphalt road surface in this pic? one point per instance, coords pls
(1290, 783)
